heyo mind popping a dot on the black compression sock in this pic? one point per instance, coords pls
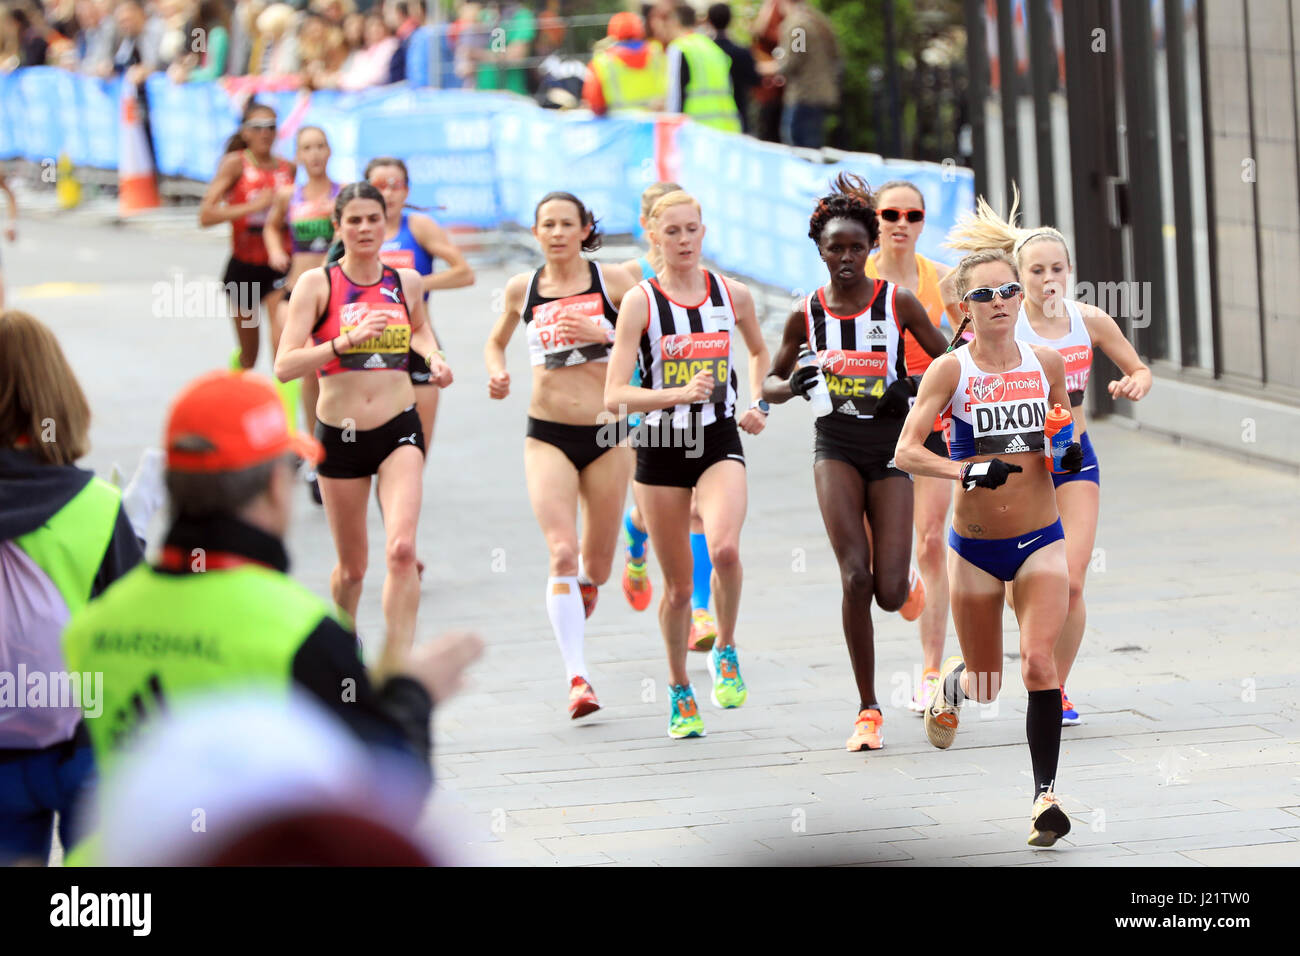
(952, 692)
(1043, 730)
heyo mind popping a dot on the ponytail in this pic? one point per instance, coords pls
(985, 229)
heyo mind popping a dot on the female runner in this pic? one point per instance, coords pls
(901, 210)
(1074, 329)
(572, 459)
(414, 241)
(856, 326)
(678, 330)
(241, 193)
(309, 212)
(636, 581)
(1005, 525)
(354, 323)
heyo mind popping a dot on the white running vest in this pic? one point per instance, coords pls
(680, 341)
(860, 355)
(540, 313)
(1075, 347)
(998, 413)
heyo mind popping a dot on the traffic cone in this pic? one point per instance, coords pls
(66, 187)
(137, 189)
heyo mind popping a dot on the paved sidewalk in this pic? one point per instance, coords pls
(1188, 681)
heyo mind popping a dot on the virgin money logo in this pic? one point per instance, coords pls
(987, 388)
(677, 346)
(835, 362)
(1082, 354)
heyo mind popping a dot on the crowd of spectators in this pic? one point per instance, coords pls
(784, 72)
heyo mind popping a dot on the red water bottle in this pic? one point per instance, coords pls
(1058, 434)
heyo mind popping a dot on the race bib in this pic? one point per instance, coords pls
(1007, 411)
(560, 351)
(1078, 365)
(398, 258)
(387, 350)
(856, 380)
(686, 355)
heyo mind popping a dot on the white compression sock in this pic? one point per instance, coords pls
(568, 621)
(582, 574)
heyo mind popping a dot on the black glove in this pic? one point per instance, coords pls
(986, 474)
(897, 400)
(803, 380)
(1072, 459)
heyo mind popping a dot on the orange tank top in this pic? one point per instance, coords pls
(918, 360)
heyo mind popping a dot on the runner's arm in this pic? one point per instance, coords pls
(911, 455)
(213, 209)
(621, 397)
(619, 282)
(747, 322)
(776, 386)
(494, 352)
(297, 356)
(423, 341)
(435, 241)
(1109, 337)
(273, 232)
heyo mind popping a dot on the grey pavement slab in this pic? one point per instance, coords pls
(1188, 678)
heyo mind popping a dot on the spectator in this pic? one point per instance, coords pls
(243, 27)
(174, 39)
(368, 66)
(627, 75)
(469, 38)
(64, 538)
(560, 81)
(94, 37)
(766, 31)
(210, 33)
(275, 49)
(501, 65)
(810, 66)
(136, 55)
(744, 76)
(25, 44)
(231, 478)
(320, 48)
(404, 18)
(699, 73)
(334, 11)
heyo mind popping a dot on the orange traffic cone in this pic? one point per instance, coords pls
(137, 188)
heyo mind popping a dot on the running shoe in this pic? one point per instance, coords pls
(636, 584)
(1069, 716)
(924, 693)
(704, 630)
(728, 686)
(915, 602)
(866, 731)
(1050, 821)
(683, 715)
(589, 594)
(582, 699)
(941, 717)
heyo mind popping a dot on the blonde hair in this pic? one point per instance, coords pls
(985, 229)
(652, 195)
(668, 200)
(961, 280)
(41, 404)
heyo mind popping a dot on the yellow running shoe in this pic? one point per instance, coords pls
(704, 630)
(1050, 821)
(941, 717)
(866, 731)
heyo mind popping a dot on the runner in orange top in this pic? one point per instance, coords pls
(901, 210)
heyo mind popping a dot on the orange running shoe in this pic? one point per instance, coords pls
(915, 602)
(589, 594)
(704, 630)
(582, 699)
(866, 731)
(636, 584)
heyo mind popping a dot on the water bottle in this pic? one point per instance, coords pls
(820, 396)
(1059, 434)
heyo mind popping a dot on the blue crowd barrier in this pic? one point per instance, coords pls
(484, 159)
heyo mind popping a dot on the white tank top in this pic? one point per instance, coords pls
(860, 355)
(998, 413)
(1075, 347)
(540, 313)
(679, 341)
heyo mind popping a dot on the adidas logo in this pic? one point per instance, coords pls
(1016, 444)
(848, 408)
(375, 361)
(575, 358)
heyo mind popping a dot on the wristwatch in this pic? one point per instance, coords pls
(762, 406)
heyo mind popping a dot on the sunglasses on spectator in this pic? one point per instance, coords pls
(893, 215)
(260, 124)
(985, 294)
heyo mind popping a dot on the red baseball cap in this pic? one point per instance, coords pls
(626, 26)
(229, 421)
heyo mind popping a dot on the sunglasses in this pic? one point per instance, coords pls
(893, 215)
(260, 124)
(985, 294)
